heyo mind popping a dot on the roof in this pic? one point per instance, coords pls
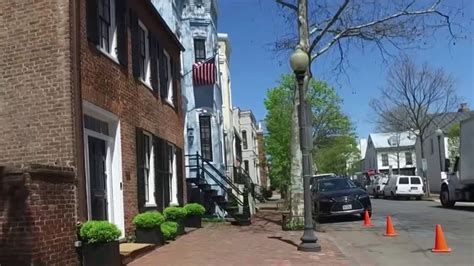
(389, 140)
(151, 7)
(447, 120)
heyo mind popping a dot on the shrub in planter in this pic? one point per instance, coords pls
(148, 227)
(176, 214)
(194, 212)
(100, 245)
(169, 229)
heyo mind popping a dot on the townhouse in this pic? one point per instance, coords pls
(92, 122)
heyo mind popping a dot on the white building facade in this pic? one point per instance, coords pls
(395, 151)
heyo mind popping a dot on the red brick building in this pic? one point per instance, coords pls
(91, 121)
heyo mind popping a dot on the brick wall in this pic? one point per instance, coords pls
(112, 87)
(37, 216)
(35, 81)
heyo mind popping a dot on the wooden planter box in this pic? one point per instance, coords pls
(193, 221)
(101, 254)
(150, 236)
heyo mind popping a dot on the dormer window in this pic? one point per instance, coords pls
(393, 141)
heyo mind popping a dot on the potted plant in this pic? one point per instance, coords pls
(176, 214)
(100, 243)
(194, 212)
(169, 229)
(147, 226)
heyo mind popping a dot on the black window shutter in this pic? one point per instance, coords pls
(179, 175)
(140, 170)
(158, 173)
(135, 44)
(92, 21)
(173, 81)
(153, 63)
(166, 170)
(163, 87)
(122, 42)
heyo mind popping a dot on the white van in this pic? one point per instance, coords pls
(404, 186)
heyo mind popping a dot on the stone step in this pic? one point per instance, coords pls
(131, 251)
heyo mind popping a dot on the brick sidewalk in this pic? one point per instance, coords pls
(262, 243)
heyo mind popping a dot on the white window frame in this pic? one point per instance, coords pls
(150, 179)
(173, 182)
(147, 70)
(169, 85)
(112, 54)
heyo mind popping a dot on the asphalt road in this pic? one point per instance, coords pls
(415, 223)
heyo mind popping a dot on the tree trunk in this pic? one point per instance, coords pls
(296, 185)
(427, 181)
(296, 196)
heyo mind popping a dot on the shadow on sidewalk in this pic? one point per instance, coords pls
(284, 240)
(269, 217)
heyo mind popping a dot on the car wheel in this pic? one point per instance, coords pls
(444, 198)
(393, 195)
(418, 198)
(376, 195)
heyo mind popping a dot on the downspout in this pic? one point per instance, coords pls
(77, 110)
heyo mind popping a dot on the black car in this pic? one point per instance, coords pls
(339, 196)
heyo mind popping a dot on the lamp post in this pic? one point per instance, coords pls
(439, 133)
(299, 62)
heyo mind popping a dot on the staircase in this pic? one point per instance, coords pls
(231, 201)
(243, 177)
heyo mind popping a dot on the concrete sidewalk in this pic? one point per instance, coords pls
(262, 243)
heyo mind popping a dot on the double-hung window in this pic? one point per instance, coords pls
(206, 141)
(384, 159)
(168, 76)
(199, 50)
(149, 170)
(144, 53)
(408, 158)
(107, 27)
(172, 175)
(244, 138)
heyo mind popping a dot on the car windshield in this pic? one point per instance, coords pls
(335, 184)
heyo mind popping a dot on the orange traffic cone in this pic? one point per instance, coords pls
(440, 242)
(367, 221)
(390, 231)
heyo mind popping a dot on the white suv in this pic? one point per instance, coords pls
(404, 186)
(376, 187)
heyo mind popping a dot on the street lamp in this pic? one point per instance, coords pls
(439, 133)
(299, 62)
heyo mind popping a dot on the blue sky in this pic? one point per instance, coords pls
(254, 25)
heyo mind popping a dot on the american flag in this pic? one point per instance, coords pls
(204, 73)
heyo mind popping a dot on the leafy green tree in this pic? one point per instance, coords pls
(333, 135)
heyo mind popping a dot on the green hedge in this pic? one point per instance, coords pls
(148, 220)
(98, 232)
(194, 209)
(169, 230)
(174, 213)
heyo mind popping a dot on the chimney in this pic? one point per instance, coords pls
(463, 108)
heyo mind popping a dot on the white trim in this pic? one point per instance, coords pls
(174, 178)
(151, 174)
(115, 206)
(169, 85)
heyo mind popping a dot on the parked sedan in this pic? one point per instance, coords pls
(339, 196)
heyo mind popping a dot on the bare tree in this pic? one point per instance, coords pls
(413, 98)
(326, 24)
